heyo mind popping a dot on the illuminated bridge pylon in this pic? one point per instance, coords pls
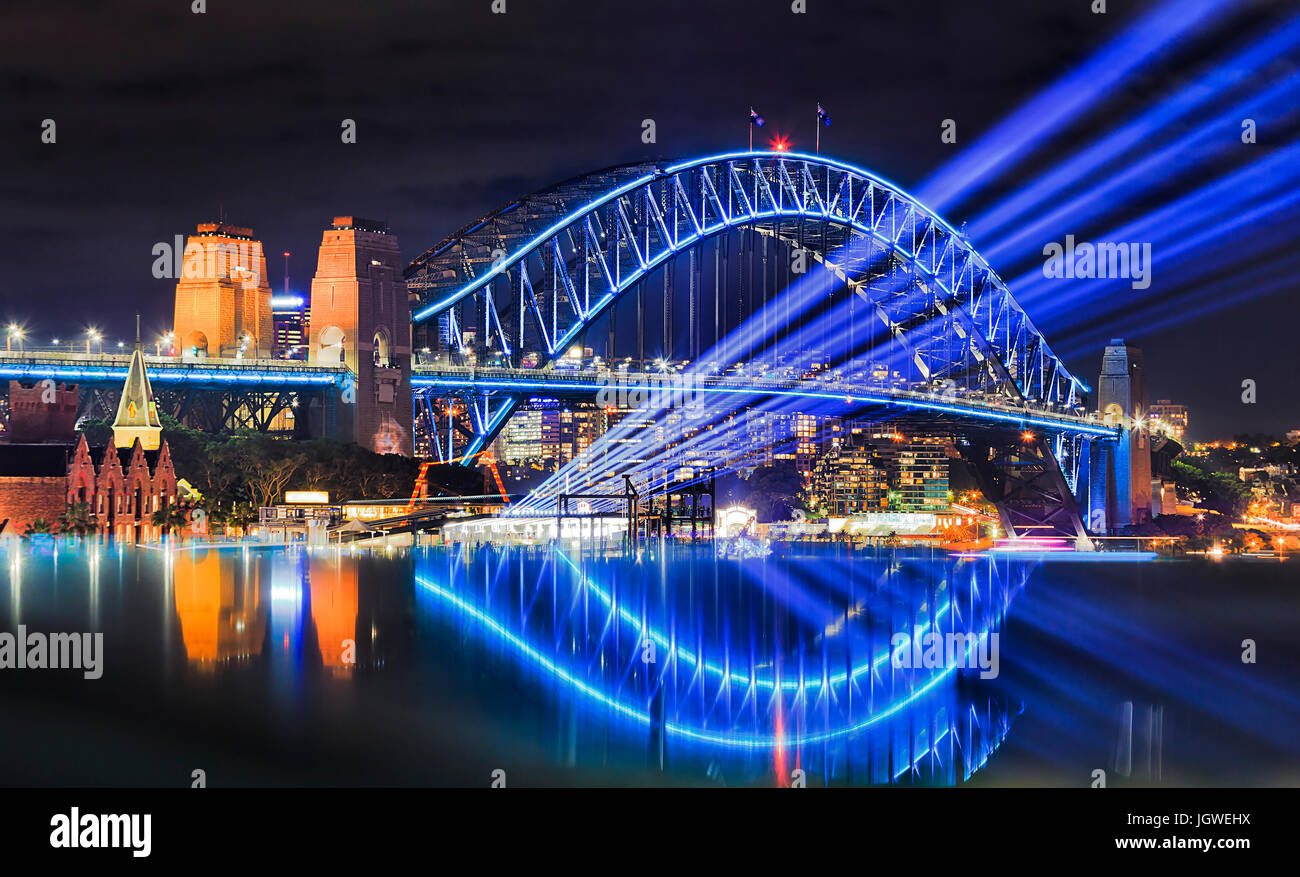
(716, 246)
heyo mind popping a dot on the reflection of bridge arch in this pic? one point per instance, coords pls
(732, 690)
(549, 269)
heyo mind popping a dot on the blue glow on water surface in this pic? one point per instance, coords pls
(566, 664)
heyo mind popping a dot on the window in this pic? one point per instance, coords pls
(382, 356)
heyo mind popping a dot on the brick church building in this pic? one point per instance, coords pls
(45, 473)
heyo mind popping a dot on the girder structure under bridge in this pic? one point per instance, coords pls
(710, 244)
(213, 395)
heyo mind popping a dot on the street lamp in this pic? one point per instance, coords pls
(93, 336)
(15, 331)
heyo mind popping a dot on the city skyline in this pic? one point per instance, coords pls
(769, 394)
(98, 191)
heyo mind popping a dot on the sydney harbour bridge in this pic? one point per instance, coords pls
(767, 282)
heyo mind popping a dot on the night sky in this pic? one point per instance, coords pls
(166, 118)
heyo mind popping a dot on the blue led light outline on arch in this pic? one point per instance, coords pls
(537, 241)
(699, 234)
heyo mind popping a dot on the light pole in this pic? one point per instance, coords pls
(15, 331)
(93, 336)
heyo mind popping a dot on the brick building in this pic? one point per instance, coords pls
(123, 487)
(33, 482)
(42, 412)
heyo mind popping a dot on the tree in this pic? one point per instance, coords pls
(1234, 542)
(170, 518)
(97, 432)
(40, 525)
(77, 520)
(1219, 491)
(266, 469)
(241, 516)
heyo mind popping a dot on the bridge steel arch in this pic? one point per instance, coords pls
(536, 274)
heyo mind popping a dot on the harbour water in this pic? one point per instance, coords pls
(674, 666)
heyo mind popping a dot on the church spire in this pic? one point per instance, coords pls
(137, 415)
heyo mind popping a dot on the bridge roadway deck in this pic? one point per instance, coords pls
(563, 382)
(110, 368)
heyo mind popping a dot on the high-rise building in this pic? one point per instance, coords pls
(223, 298)
(532, 435)
(806, 446)
(360, 318)
(918, 473)
(551, 434)
(580, 427)
(291, 319)
(1169, 418)
(850, 477)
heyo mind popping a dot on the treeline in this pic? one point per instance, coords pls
(1222, 492)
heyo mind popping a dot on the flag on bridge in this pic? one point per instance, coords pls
(755, 121)
(823, 118)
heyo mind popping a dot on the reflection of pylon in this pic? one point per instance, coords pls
(501, 486)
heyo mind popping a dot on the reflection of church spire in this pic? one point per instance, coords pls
(137, 416)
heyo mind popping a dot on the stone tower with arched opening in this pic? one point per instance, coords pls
(223, 297)
(1122, 402)
(360, 318)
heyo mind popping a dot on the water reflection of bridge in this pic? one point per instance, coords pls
(740, 667)
(710, 666)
